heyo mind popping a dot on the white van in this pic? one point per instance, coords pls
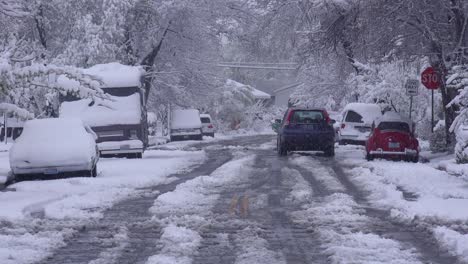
(357, 123)
(186, 125)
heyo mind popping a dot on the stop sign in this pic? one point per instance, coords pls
(430, 78)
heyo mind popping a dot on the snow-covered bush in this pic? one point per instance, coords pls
(458, 79)
(461, 147)
(229, 108)
(437, 141)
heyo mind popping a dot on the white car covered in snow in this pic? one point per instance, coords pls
(186, 125)
(54, 147)
(207, 125)
(357, 123)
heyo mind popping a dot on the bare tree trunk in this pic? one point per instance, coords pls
(447, 94)
(39, 20)
(149, 60)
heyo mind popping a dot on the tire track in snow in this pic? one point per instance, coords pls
(296, 244)
(341, 224)
(98, 242)
(191, 208)
(416, 235)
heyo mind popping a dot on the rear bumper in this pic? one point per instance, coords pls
(121, 147)
(406, 152)
(308, 142)
(186, 137)
(53, 170)
(354, 139)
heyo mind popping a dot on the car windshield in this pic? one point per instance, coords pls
(205, 120)
(353, 117)
(307, 116)
(399, 126)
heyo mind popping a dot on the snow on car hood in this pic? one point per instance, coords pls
(117, 111)
(52, 142)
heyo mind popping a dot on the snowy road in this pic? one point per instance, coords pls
(245, 204)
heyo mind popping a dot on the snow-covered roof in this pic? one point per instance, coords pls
(117, 75)
(369, 112)
(393, 117)
(113, 75)
(119, 111)
(255, 92)
(205, 115)
(188, 118)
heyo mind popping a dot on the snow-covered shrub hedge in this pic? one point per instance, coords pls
(458, 79)
(437, 141)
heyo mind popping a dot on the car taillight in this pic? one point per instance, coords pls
(210, 126)
(288, 118)
(327, 117)
(343, 125)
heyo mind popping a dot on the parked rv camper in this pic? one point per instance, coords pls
(121, 122)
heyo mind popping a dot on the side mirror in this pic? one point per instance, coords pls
(278, 121)
(332, 121)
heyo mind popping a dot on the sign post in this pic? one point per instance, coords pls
(411, 86)
(431, 80)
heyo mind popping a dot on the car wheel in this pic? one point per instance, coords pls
(282, 151)
(341, 143)
(369, 157)
(212, 135)
(415, 159)
(330, 152)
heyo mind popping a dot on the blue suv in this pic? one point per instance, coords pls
(308, 129)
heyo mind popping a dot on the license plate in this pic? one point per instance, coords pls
(51, 171)
(394, 145)
(125, 147)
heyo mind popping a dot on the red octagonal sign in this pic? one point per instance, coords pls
(430, 78)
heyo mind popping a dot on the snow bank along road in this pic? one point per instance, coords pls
(236, 201)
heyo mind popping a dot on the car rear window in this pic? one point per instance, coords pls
(205, 120)
(306, 116)
(399, 126)
(353, 117)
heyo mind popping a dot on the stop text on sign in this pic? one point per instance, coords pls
(430, 78)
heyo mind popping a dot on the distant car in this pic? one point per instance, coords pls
(207, 125)
(393, 137)
(54, 147)
(306, 129)
(186, 125)
(356, 123)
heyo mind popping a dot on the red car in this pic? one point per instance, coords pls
(392, 137)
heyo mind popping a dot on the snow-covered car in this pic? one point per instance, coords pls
(186, 125)
(356, 123)
(207, 125)
(54, 147)
(392, 137)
